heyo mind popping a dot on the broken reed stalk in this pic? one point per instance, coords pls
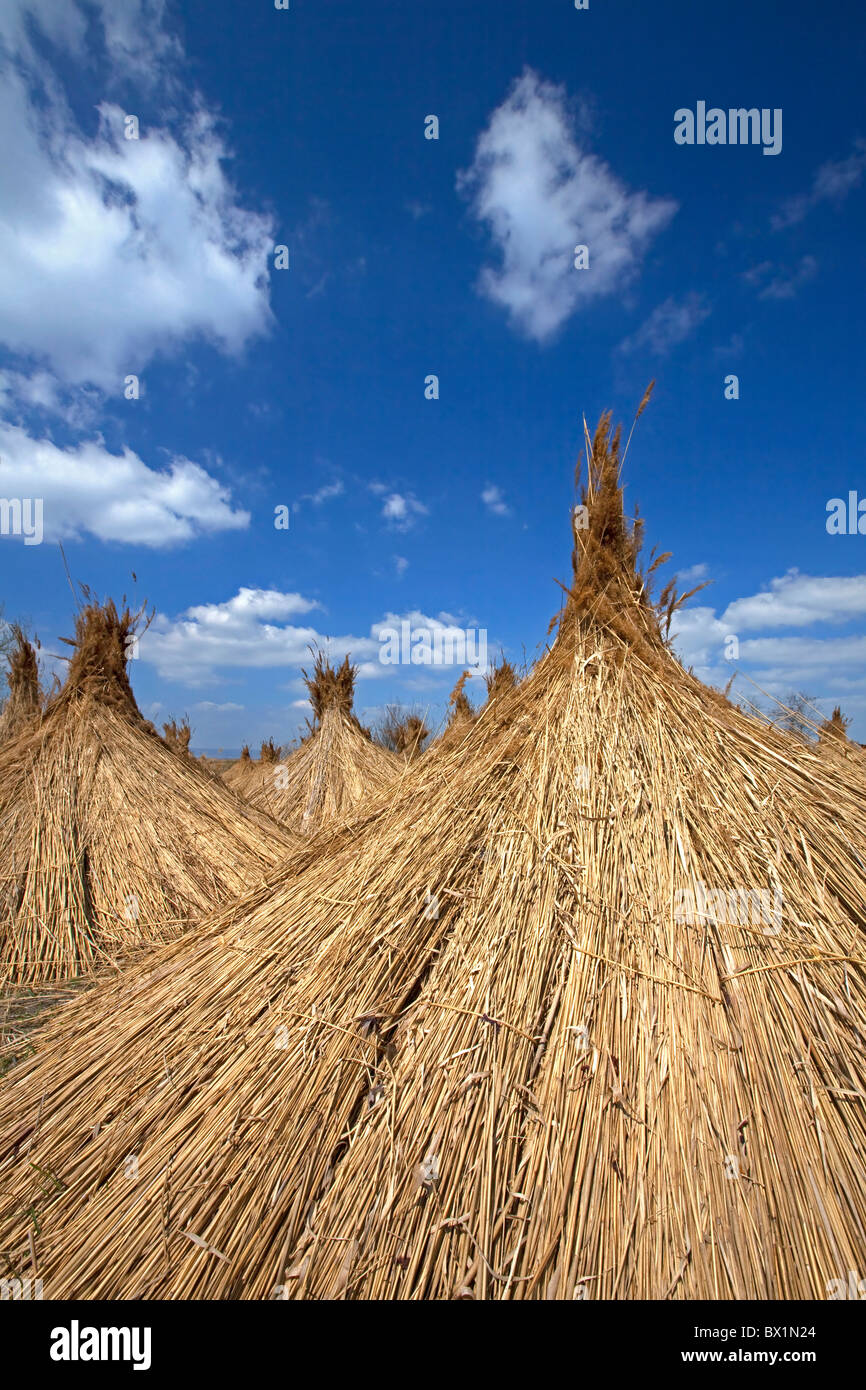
(473, 1046)
(108, 839)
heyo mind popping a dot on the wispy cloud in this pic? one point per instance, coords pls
(324, 494)
(778, 282)
(668, 325)
(540, 194)
(832, 183)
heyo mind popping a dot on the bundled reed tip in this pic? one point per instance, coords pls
(177, 736)
(331, 687)
(834, 729)
(23, 705)
(500, 680)
(404, 733)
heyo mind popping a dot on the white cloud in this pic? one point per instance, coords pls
(831, 668)
(252, 630)
(833, 182)
(494, 501)
(112, 250)
(668, 325)
(798, 600)
(402, 511)
(256, 629)
(401, 564)
(208, 706)
(115, 497)
(540, 195)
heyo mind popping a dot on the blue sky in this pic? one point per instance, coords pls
(305, 387)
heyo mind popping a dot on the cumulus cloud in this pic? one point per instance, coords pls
(115, 497)
(833, 181)
(798, 600)
(540, 194)
(668, 325)
(259, 629)
(113, 249)
(252, 630)
(832, 667)
(494, 500)
(401, 511)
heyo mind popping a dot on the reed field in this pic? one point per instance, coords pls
(565, 1002)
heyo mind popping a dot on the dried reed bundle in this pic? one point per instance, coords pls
(404, 733)
(336, 768)
(23, 706)
(107, 839)
(501, 680)
(177, 736)
(478, 1045)
(461, 717)
(835, 728)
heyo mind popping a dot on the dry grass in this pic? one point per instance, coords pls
(107, 839)
(464, 1048)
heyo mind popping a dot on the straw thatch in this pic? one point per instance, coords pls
(23, 707)
(337, 767)
(477, 1048)
(107, 839)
